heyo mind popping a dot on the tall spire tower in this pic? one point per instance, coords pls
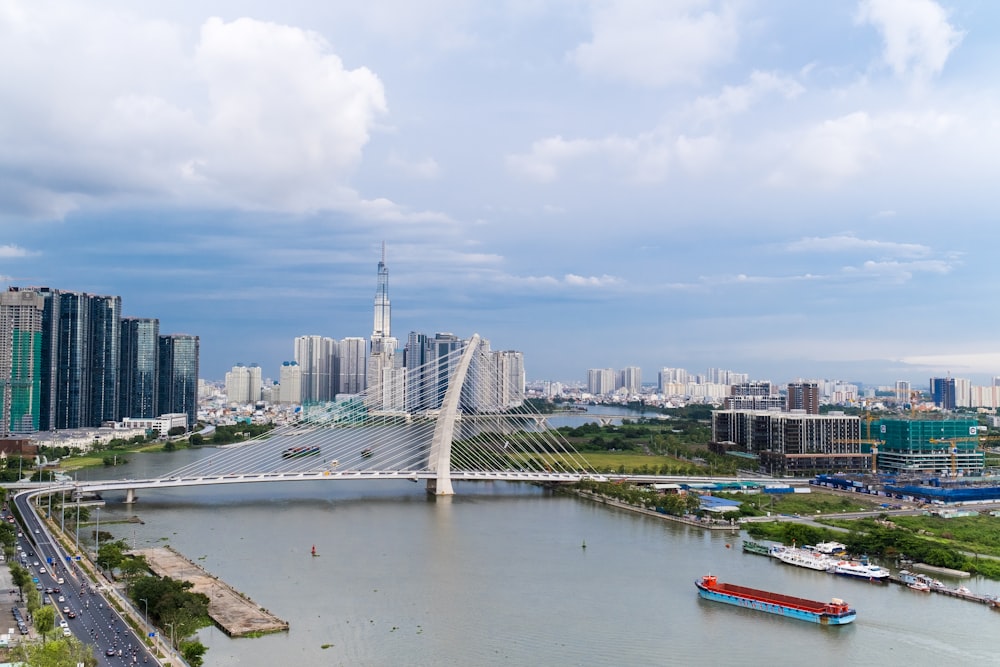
(382, 381)
(382, 313)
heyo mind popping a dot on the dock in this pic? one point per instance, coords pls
(234, 613)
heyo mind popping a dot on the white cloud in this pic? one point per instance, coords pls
(247, 113)
(12, 252)
(848, 243)
(917, 37)
(591, 281)
(654, 43)
(738, 99)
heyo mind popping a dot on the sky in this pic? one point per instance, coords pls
(781, 188)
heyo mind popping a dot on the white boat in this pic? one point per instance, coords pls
(919, 586)
(831, 548)
(807, 559)
(861, 571)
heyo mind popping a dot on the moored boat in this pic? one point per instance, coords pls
(835, 612)
(870, 572)
(756, 548)
(806, 559)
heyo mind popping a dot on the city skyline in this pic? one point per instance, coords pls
(790, 191)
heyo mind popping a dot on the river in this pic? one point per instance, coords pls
(497, 575)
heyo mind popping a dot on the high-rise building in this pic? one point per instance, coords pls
(753, 396)
(803, 396)
(902, 392)
(291, 382)
(139, 391)
(243, 384)
(20, 361)
(317, 357)
(414, 357)
(943, 392)
(630, 379)
(105, 357)
(353, 367)
(600, 381)
(179, 376)
(382, 352)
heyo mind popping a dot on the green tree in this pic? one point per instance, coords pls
(64, 652)
(45, 621)
(194, 653)
(111, 554)
(196, 440)
(20, 576)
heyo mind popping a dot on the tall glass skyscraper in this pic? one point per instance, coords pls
(20, 361)
(179, 376)
(105, 342)
(140, 362)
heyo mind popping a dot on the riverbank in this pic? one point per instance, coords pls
(708, 524)
(234, 613)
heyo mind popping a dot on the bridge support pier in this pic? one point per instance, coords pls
(541, 422)
(605, 421)
(129, 496)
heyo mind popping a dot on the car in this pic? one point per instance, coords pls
(71, 614)
(110, 652)
(42, 570)
(63, 623)
(65, 611)
(35, 563)
(67, 632)
(62, 599)
(37, 532)
(49, 591)
(60, 580)
(56, 590)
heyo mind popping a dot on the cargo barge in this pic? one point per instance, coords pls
(835, 612)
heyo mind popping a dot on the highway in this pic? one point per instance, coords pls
(97, 623)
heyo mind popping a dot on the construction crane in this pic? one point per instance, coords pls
(952, 444)
(863, 441)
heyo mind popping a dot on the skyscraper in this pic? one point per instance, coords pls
(291, 382)
(179, 375)
(381, 357)
(317, 357)
(105, 342)
(943, 392)
(353, 369)
(140, 363)
(20, 361)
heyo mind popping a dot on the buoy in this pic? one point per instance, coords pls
(727, 546)
(314, 551)
(584, 545)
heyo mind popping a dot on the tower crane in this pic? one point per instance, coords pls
(952, 444)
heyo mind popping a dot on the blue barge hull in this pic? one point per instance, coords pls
(836, 612)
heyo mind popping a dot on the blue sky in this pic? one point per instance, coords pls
(784, 188)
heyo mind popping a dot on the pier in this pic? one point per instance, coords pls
(234, 613)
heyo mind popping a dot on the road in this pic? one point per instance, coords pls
(97, 623)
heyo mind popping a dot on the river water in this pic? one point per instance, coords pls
(497, 575)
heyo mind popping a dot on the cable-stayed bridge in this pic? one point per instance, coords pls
(459, 416)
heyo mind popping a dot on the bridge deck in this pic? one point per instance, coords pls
(235, 614)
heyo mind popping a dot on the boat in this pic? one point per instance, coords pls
(807, 559)
(830, 548)
(872, 573)
(835, 612)
(756, 548)
(298, 452)
(366, 453)
(919, 586)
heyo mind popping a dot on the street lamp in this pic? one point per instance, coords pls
(145, 616)
(172, 646)
(97, 533)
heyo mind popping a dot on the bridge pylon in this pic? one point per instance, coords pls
(444, 429)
